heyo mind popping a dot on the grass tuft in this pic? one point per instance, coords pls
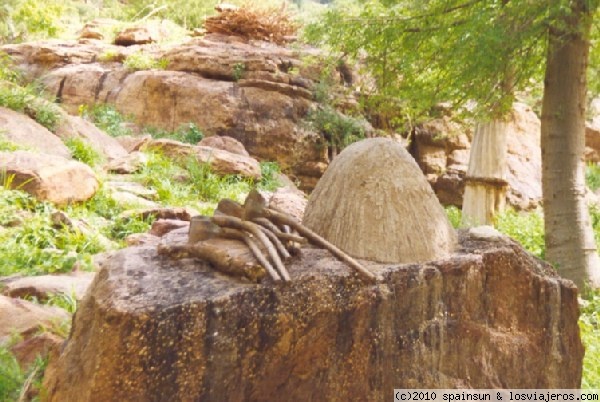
(83, 151)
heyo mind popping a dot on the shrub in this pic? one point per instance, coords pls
(338, 130)
(143, 61)
(188, 133)
(589, 323)
(82, 151)
(269, 176)
(592, 176)
(107, 118)
(28, 100)
(11, 376)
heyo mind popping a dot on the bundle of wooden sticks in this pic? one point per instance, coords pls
(271, 237)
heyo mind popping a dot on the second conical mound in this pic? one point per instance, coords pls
(374, 203)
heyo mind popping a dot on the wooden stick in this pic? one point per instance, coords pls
(240, 235)
(276, 242)
(254, 229)
(286, 236)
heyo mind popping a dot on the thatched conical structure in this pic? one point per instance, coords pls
(374, 203)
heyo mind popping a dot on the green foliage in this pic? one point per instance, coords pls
(454, 215)
(188, 182)
(144, 61)
(592, 176)
(83, 151)
(8, 72)
(188, 133)
(526, 228)
(338, 130)
(423, 53)
(269, 176)
(238, 71)
(25, 99)
(125, 226)
(589, 324)
(32, 19)
(65, 301)
(11, 376)
(107, 118)
(7, 145)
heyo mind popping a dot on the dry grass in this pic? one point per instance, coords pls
(273, 24)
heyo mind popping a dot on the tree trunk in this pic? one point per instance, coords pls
(485, 191)
(569, 237)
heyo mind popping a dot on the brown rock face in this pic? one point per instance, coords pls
(134, 36)
(24, 318)
(154, 329)
(249, 91)
(225, 143)
(44, 286)
(26, 132)
(76, 127)
(48, 177)
(223, 162)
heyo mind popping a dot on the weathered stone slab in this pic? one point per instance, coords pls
(154, 329)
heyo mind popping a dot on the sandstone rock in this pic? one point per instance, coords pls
(26, 132)
(225, 143)
(127, 199)
(24, 318)
(128, 164)
(289, 200)
(48, 177)
(40, 345)
(220, 161)
(36, 58)
(142, 239)
(133, 143)
(131, 187)
(265, 111)
(44, 286)
(76, 127)
(225, 162)
(592, 142)
(91, 31)
(524, 159)
(171, 148)
(160, 227)
(178, 213)
(153, 328)
(134, 36)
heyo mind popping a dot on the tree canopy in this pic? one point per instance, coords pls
(426, 52)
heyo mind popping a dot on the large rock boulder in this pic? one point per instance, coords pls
(104, 144)
(24, 318)
(27, 133)
(43, 286)
(48, 177)
(153, 328)
(256, 92)
(220, 161)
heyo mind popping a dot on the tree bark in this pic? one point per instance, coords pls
(570, 244)
(485, 191)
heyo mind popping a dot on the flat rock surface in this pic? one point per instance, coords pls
(153, 328)
(44, 286)
(23, 317)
